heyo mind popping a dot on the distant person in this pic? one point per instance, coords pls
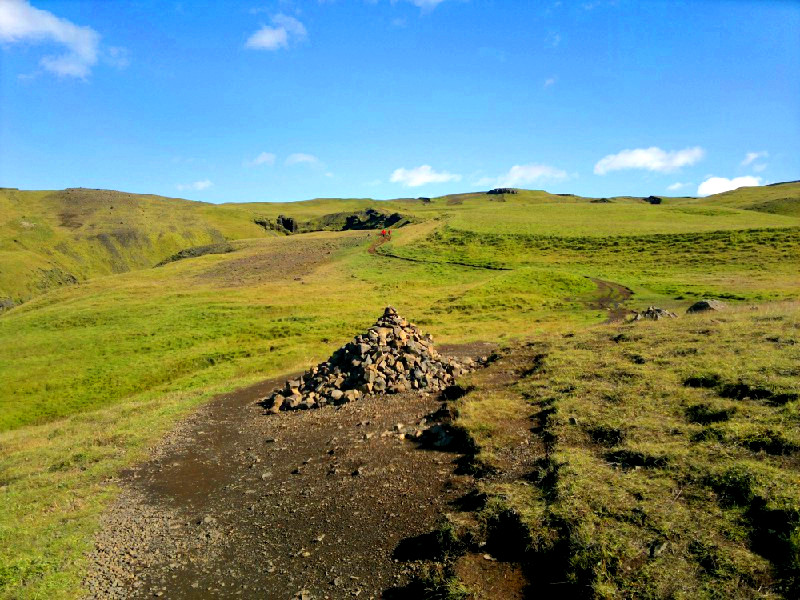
(383, 233)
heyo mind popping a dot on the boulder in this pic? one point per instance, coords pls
(706, 305)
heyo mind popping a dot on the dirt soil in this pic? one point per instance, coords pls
(611, 296)
(236, 503)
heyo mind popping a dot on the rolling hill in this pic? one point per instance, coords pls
(105, 351)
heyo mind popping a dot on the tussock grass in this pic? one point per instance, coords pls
(625, 498)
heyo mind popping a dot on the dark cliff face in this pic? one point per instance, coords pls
(344, 221)
(287, 223)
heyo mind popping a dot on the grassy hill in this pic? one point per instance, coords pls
(94, 373)
(649, 460)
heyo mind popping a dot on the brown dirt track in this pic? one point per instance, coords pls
(237, 503)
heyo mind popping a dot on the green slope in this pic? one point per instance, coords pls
(48, 239)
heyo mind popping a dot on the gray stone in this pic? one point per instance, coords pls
(706, 305)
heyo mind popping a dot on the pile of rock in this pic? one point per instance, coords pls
(654, 313)
(391, 357)
(503, 191)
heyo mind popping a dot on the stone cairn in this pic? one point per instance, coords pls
(393, 356)
(654, 313)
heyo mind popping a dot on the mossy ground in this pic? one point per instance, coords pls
(664, 455)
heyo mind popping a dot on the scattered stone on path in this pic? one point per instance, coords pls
(705, 305)
(654, 313)
(393, 356)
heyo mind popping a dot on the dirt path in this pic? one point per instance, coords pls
(611, 296)
(236, 503)
(379, 241)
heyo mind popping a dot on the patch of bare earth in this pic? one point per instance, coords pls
(237, 503)
(281, 259)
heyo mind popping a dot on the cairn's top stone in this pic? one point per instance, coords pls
(392, 356)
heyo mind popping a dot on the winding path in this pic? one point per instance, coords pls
(237, 503)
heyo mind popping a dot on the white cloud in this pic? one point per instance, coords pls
(265, 158)
(21, 22)
(196, 186)
(426, 4)
(549, 81)
(717, 185)
(753, 156)
(299, 158)
(284, 29)
(422, 175)
(519, 175)
(677, 185)
(651, 159)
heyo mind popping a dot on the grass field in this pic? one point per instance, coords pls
(664, 456)
(106, 351)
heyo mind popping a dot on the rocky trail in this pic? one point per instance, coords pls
(299, 504)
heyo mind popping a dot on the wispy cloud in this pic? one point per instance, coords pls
(21, 22)
(284, 29)
(751, 157)
(549, 81)
(300, 158)
(422, 175)
(553, 39)
(426, 4)
(677, 186)
(649, 159)
(521, 175)
(717, 185)
(197, 186)
(265, 158)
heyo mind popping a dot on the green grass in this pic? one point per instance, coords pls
(93, 374)
(664, 460)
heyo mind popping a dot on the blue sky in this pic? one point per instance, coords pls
(289, 100)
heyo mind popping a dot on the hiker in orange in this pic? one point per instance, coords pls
(383, 233)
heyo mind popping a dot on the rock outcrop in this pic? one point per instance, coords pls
(392, 356)
(654, 313)
(705, 305)
(503, 191)
(287, 223)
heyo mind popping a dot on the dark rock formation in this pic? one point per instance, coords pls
(705, 305)
(503, 191)
(287, 223)
(653, 200)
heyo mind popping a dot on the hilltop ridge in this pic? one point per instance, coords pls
(49, 239)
